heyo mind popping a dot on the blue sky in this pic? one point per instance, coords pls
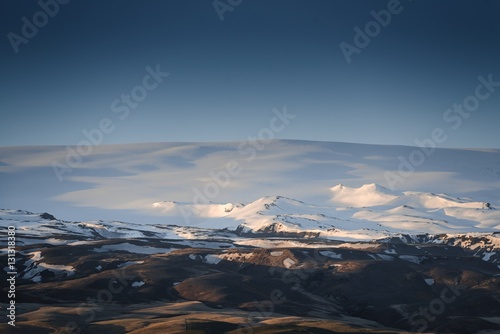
(227, 76)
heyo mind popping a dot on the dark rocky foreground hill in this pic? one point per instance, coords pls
(147, 285)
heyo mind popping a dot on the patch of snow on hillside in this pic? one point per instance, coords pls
(212, 259)
(488, 255)
(429, 281)
(138, 284)
(35, 268)
(331, 254)
(288, 263)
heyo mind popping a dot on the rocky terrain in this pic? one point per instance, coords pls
(83, 277)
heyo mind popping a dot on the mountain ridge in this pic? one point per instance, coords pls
(122, 181)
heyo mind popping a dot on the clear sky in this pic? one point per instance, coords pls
(226, 76)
